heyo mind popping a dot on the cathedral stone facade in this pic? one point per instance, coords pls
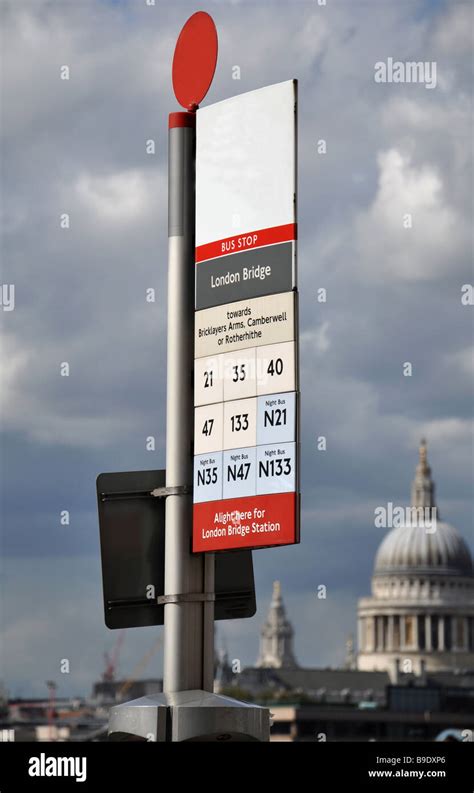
(421, 613)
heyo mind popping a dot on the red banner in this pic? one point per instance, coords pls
(244, 242)
(252, 522)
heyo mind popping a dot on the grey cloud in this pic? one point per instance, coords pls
(78, 147)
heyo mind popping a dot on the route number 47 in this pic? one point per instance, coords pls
(207, 428)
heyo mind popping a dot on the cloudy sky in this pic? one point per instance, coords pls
(393, 296)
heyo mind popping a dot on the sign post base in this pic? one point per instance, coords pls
(189, 716)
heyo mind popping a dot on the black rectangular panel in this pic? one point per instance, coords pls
(132, 540)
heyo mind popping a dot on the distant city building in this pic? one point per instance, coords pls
(350, 661)
(223, 675)
(113, 691)
(414, 674)
(421, 613)
(415, 667)
(351, 704)
(276, 636)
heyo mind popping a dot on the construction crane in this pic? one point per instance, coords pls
(111, 660)
(139, 667)
(126, 685)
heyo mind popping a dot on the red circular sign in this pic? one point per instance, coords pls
(194, 61)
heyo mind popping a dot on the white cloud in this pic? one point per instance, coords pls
(464, 359)
(65, 416)
(78, 147)
(452, 435)
(13, 362)
(118, 197)
(387, 247)
(423, 118)
(318, 339)
(453, 33)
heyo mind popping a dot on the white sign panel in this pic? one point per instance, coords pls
(276, 418)
(208, 428)
(240, 374)
(276, 468)
(276, 368)
(208, 380)
(207, 477)
(240, 423)
(245, 164)
(240, 473)
(245, 374)
(247, 323)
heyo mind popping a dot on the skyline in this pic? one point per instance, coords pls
(393, 295)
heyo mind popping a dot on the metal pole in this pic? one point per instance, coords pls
(189, 625)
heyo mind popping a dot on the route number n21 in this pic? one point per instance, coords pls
(275, 418)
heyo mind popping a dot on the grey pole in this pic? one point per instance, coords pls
(187, 710)
(189, 625)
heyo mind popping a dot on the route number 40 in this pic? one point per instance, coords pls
(275, 367)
